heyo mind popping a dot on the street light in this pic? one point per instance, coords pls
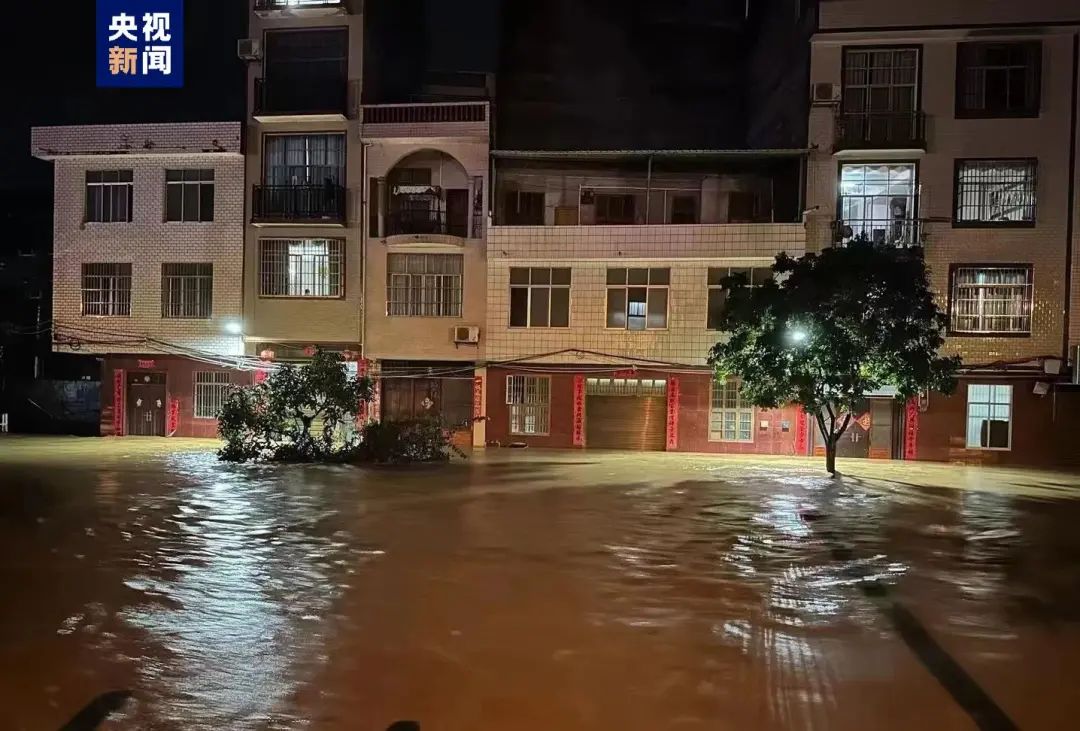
(798, 335)
(234, 327)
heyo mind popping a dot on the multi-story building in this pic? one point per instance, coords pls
(953, 125)
(604, 290)
(147, 257)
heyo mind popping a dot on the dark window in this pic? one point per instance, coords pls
(742, 207)
(539, 297)
(995, 192)
(880, 80)
(637, 299)
(998, 79)
(109, 196)
(424, 285)
(614, 209)
(187, 291)
(189, 195)
(106, 290)
(410, 176)
(523, 209)
(305, 160)
(684, 209)
(991, 300)
(754, 277)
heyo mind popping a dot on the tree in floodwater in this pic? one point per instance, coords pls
(830, 328)
(299, 413)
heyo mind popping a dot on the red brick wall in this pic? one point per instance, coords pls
(562, 411)
(179, 384)
(694, 404)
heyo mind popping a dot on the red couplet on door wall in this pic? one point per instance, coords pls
(478, 397)
(118, 403)
(673, 413)
(802, 433)
(579, 411)
(174, 417)
(911, 429)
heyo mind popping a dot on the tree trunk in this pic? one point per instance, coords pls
(830, 456)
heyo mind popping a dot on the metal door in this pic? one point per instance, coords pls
(147, 404)
(626, 414)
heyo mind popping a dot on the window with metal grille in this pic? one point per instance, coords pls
(996, 192)
(754, 277)
(996, 79)
(109, 195)
(731, 418)
(989, 416)
(211, 389)
(637, 299)
(539, 297)
(187, 291)
(424, 285)
(301, 267)
(189, 195)
(992, 299)
(106, 290)
(305, 160)
(529, 399)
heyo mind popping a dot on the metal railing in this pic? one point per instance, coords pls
(880, 130)
(262, 6)
(426, 113)
(890, 232)
(416, 222)
(298, 203)
(293, 97)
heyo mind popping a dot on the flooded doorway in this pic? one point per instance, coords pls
(872, 433)
(146, 400)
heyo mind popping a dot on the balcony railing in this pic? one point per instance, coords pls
(293, 97)
(417, 222)
(426, 113)
(880, 131)
(298, 204)
(890, 232)
(269, 7)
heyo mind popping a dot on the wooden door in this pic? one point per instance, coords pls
(457, 212)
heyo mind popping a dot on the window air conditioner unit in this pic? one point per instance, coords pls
(467, 335)
(249, 49)
(825, 94)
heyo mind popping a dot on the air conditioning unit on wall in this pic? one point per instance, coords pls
(249, 49)
(466, 335)
(824, 94)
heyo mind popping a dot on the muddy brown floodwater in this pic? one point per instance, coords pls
(533, 592)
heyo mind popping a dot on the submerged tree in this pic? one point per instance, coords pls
(832, 327)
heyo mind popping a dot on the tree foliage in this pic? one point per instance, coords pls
(832, 327)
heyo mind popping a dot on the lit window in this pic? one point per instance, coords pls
(989, 300)
(731, 418)
(529, 399)
(211, 389)
(301, 267)
(989, 416)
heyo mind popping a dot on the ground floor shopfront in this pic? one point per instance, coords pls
(154, 395)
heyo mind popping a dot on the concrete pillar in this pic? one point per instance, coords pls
(380, 202)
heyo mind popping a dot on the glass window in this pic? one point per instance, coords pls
(989, 416)
(731, 418)
(187, 291)
(297, 160)
(424, 285)
(523, 208)
(998, 79)
(995, 191)
(529, 399)
(614, 209)
(988, 300)
(877, 203)
(684, 209)
(109, 196)
(301, 267)
(539, 297)
(106, 290)
(754, 277)
(211, 389)
(880, 80)
(189, 195)
(637, 299)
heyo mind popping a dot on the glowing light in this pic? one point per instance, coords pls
(234, 327)
(798, 336)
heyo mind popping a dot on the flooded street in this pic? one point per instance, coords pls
(534, 592)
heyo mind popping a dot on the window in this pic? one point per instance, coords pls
(880, 80)
(877, 202)
(637, 299)
(529, 399)
(998, 79)
(991, 300)
(539, 297)
(187, 291)
(524, 209)
(301, 267)
(995, 192)
(614, 209)
(293, 160)
(211, 388)
(684, 209)
(989, 416)
(189, 195)
(731, 418)
(755, 277)
(424, 285)
(109, 196)
(106, 290)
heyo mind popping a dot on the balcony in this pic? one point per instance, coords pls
(901, 232)
(428, 222)
(298, 204)
(880, 131)
(403, 121)
(307, 8)
(284, 100)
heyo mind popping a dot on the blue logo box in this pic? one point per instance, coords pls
(140, 44)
